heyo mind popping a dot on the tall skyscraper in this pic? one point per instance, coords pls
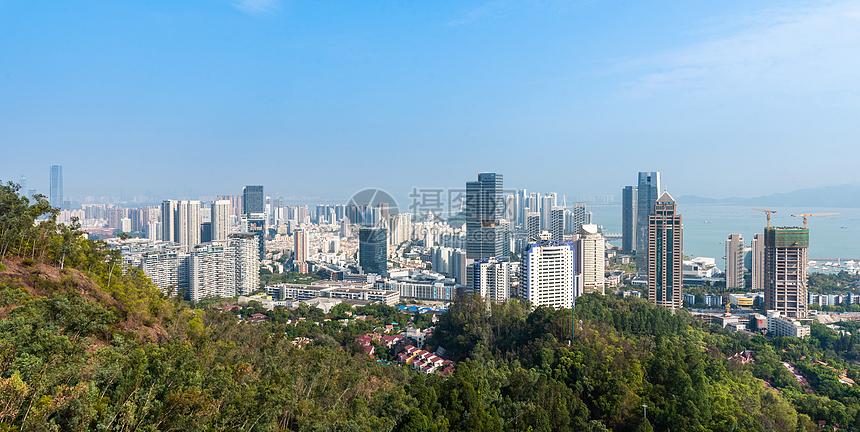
(373, 250)
(757, 263)
(56, 186)
(547, 203)
(484, 210)
(665, 253)
(168, 220)
(533, 225)
(253, 200)
(301, 250)
(628, 219)
(573, 219)
(785, 263)
(735, 261)
(220, 218)
(547, 272)
(646, 195)
(255, 223)
(591, 264)
(493, 279)
(246, 261)
(556, 226)
(187, 223)
(236, 207)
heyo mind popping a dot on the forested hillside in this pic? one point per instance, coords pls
(86, 344)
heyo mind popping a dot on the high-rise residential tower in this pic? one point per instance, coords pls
(533, 225)
(556, 226)
(757, 263)
(646, 195)
(220, 218)
(493, 279)
(255, 223)
(484, 210)
(628, 219)
(547, 203)
(180, 222)
(187, 231)
(56, 186)
(735, 261)
(665, 253)
(301, 250)
(547, 273)
(580, 216)
(168, 220)
(785, 263)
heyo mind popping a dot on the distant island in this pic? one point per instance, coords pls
(829, 196)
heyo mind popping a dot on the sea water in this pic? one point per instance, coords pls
(707, 226)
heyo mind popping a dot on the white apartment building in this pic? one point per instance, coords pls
(778, 325)
(735, 261)
(168, 270)
(247, 266)
(493, 279)
(211, 271)
(220, 218)
(547, 273)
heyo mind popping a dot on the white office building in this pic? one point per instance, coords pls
(591, 263)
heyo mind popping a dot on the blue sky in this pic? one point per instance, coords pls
(320, 99)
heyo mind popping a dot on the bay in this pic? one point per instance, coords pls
(707, 226)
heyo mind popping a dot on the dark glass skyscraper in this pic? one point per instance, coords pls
(56, 197)
(647, 194)
(373, 250)
(484, 208)
(628, 219)
(253, 200)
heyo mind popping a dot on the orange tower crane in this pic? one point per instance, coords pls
(806, 215)
(768, 214)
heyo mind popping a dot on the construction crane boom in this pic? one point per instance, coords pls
(806, 215)
(768, 214)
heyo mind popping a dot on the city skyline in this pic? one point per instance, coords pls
(216, 96)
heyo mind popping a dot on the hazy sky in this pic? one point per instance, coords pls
(322, 98)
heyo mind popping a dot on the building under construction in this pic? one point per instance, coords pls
(785, 259)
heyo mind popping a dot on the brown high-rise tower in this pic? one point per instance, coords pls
(665, 253)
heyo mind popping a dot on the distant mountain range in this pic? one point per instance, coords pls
(829, 196)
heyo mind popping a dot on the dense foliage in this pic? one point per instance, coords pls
(842, 282)
(86, 344)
